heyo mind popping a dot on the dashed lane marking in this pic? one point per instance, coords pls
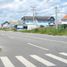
(38, 46)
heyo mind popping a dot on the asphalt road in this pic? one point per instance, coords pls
(32, 50)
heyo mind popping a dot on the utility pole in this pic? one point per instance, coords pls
(33, 9)
(34, 14)
(56, 15)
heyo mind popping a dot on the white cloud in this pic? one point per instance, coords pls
(23, 7)
(11, 5)
(65, 3)
(25, 4)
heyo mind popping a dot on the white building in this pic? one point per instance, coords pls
(38, 21)
(31, 26)
(64, 20)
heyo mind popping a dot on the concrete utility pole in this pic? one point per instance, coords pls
(56, 15)
(33, 9)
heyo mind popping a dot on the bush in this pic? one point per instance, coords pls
(62, 30)
(50, 31)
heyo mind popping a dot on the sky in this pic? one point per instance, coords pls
(15, 9)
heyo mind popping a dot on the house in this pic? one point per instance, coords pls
(10, 24)
(6, 24)
(63, 23)
(0, 25)
(17, 24)
(64, 20)
(37, 21)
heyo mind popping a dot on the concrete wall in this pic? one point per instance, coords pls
(30, 27)
(63, 22)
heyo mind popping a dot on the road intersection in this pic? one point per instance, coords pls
(32, 50)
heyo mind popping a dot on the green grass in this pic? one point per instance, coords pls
(8, 29)
(48, 30)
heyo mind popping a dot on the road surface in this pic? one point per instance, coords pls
(32, 50)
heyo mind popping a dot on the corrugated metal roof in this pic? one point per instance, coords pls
(43, 18)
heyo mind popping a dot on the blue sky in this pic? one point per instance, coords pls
(15, 9)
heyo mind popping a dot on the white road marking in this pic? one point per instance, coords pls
(38, 46)
(45, 62)
(25, 62)
(57, 58)
(6, 62)
(62, 53)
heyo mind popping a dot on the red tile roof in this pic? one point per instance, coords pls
(65, 17)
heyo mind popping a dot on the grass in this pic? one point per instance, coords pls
(48, 30)
(8, 29)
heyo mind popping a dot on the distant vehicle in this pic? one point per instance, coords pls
(19, 27)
